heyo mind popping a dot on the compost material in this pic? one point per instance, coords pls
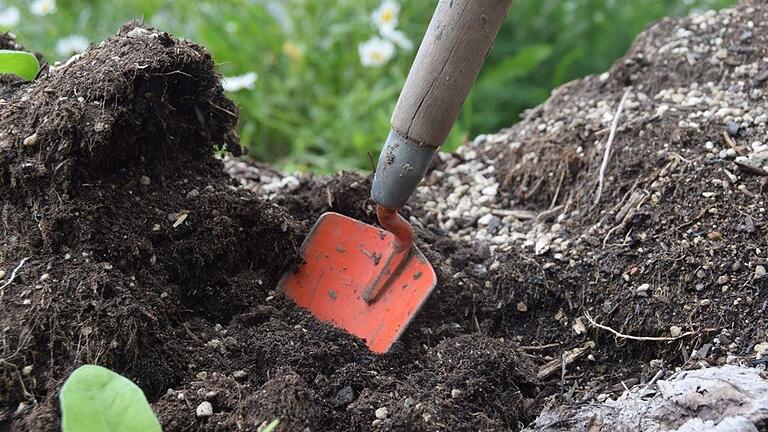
(133, 249)
(125, 243)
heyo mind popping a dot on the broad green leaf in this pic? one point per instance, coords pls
(95, 399)
(19, 63)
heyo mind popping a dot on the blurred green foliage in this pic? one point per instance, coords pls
(315, 106)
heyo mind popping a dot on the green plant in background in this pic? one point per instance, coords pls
(316, 80)
(95, 399)
(19, 63)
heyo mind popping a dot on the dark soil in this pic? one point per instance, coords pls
(139, 253)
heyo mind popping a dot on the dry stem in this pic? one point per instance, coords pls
(637, 338)
(607, 154)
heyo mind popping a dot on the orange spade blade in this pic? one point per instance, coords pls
(342, 258)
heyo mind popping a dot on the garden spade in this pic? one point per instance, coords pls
(371, 281)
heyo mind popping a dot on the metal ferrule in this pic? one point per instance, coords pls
(402, 164)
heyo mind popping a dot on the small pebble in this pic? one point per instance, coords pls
(455, 393)
(761, 349)
(45, 277)
(30, 140)
(144, 180)
(382, 413)
(26, 370)
(211, 395)
(722, 280)
(214, 343)
(759, 272)
(733, 128)
(194, 193)
(2, 274)
(675, 331)
(240, 374)
(204, 410)
(715, 235)
(522, 307)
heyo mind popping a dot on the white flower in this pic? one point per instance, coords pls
(10, 17)
(240, 82)
(399, 38)
(375, 52)
(73, 44)
(385, 16)
(43, 7)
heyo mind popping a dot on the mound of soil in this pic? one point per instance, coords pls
(666, 270)
(126, 244)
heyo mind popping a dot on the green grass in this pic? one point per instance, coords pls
(314, 106)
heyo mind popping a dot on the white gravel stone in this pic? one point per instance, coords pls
(675, 331)
(382, 413)
(759, 272)
(204, 410)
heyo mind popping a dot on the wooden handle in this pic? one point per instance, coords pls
(450, 57)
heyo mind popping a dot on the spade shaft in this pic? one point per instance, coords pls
(449, 59)
(371, 281)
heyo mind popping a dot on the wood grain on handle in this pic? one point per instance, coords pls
(450, 57)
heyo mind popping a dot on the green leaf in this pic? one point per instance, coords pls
(95, 399)
(19, 63)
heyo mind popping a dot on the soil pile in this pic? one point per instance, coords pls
(124, 243)
(672, 256)
(134, 250)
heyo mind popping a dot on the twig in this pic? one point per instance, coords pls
(539, 347)
(13, 273)
(607, 154)
(549, 214)
(557, 364)
(562, 374)
(517, 214)
(653, 380)
(731, 143)
(637, 338)
(559, 185)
